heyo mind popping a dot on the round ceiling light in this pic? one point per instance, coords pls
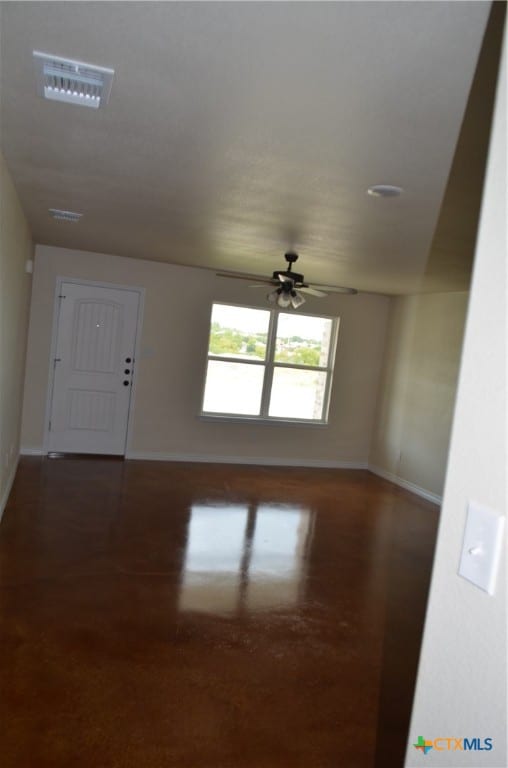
(384, 190)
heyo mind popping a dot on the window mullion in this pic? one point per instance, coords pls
(270, 353)
(226, 359)
(300, 367)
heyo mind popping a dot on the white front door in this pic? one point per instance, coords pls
(93, 369)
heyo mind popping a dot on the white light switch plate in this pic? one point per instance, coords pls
(481, 551)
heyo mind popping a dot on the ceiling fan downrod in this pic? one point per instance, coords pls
(290, 257)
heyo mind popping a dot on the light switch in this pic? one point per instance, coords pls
(481, 551)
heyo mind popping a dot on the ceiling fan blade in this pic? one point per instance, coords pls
(245, 276)
(335, 289)
(262, 285)
(312, 291)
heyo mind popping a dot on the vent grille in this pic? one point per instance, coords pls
(65, 215)
(73, 82)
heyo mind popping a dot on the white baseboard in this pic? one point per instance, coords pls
(8, 487)
(27, 450)
(433, 497)
(207, 458)
(256, 460)
(263, 462)
(248, 460)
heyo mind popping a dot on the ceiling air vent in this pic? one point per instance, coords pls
(72, 81)
(65, 215)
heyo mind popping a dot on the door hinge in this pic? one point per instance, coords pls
(49, 426)
(61, 296)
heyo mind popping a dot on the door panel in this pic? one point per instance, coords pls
(96, 336)
(89, 409)
(92, 382)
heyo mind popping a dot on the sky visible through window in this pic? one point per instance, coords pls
(256, 321)
(241, 318)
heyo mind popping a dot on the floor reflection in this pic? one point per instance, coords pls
(244, 558)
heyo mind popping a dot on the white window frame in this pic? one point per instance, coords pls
(269, 365)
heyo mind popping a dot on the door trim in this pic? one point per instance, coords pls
(54, 337)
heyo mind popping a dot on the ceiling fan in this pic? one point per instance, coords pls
(289, 285)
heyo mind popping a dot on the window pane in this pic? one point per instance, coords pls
(233, 388)
(303, 340)
(297, 394)
(238, 332)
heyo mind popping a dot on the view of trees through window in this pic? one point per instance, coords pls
(232, 342)
(293, 349)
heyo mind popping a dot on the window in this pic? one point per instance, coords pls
(264, 364)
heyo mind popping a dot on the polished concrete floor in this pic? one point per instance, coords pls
(208, 616)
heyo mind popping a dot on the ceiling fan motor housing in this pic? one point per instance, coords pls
(290, 275)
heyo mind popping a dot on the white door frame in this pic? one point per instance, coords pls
(54, 338)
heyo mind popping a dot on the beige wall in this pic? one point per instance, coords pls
(172, 363)
(461, 688)
(417, 393)
(15, 249)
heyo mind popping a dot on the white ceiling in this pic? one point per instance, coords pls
(235, 130)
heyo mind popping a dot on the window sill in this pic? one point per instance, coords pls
(260, 420)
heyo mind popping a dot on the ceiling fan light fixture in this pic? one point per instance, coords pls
(296, 299)
(284, 300)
